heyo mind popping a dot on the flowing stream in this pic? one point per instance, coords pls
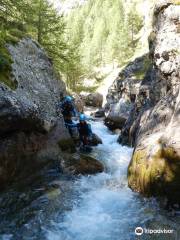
(54, 206)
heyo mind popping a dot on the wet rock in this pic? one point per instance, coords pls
(31, 125)
(67, 145)
(95, 140)
(118, 114)
(94, 99)
(100, 113)
(81, 164)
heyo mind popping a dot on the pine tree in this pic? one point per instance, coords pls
(134, 24)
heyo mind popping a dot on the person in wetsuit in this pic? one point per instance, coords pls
(67, 108)
(84, 130)
(68, 111)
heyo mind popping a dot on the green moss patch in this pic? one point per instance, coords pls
(67, 145)
(14, 36)
(142, 72)
(5, 67)
(170, 154)
(157, 174)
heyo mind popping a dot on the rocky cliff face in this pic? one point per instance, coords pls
(153, 124)
(31, 127)
(123, 95)
(155, 166)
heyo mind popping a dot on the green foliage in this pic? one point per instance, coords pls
(11, 31)
(134, 24)
(104, 31)
(176, 2)
(4, 63)
(5, 67)
(92, 34)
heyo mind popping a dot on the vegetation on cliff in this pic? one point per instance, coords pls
(39, 20)
(78, 41)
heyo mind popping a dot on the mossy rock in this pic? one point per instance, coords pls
(76, 164)
(5, 68)
(10, 35)
(140, 74)
(157, 174)
(67, 145)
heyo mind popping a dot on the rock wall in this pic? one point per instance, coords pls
(126, 94)
(155, 165)
(31, 127)
(152, 85)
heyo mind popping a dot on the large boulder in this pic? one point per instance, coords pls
(81, 164)
(118, 114)
(31, 125)
(155, 165)
(94, 99)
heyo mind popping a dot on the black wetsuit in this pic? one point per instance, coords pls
(84, 132)
(68, 109)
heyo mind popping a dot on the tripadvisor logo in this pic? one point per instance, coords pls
(139, 231)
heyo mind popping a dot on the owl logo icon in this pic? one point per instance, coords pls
(139, 231)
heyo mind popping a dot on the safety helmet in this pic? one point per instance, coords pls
(68, 98)
(82, 117)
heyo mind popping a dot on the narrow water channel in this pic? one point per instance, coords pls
(99, 207)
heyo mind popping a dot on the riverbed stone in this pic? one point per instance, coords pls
(118, 114)
(94, 99)
(81, 164)
(95, 140)
(100, 113)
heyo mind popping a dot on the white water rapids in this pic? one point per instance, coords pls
(105, 209)
(53, 206)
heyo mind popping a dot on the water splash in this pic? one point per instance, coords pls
(105, 204)
(99, 207)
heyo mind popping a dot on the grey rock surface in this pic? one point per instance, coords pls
(94, 100)
(123, 95)
(118, 114)
(155, 165)
(31, 124)
(152, 84)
